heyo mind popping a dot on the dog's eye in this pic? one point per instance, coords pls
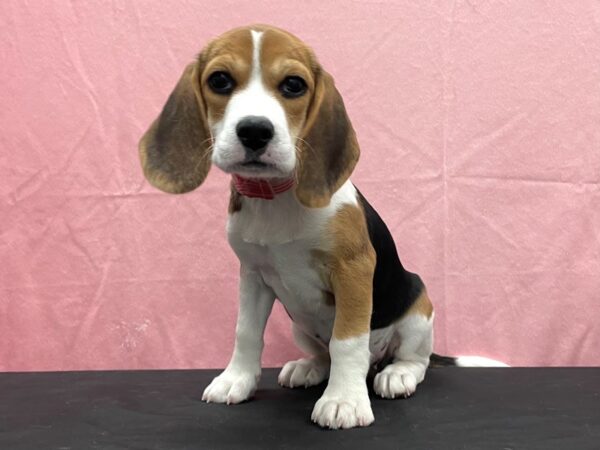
(221, 83)
(292, 87)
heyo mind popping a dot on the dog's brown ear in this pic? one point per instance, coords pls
(328, 150)
(175, 151)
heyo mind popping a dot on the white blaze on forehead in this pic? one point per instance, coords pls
(255, 99)
(256, 43)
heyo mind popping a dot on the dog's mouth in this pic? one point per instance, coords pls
(264, 165)
(255, 165)
(256, 169)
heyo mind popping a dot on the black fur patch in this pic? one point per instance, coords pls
(394, 288)
(436, 360)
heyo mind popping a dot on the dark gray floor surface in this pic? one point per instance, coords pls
(550, 408)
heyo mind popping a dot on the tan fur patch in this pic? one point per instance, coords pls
(352, 264)
(232, 53)
(283, 55)
(421, 306)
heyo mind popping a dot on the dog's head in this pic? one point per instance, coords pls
(256, 103)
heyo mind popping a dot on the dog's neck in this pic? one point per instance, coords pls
(284, 219)
(262, 188)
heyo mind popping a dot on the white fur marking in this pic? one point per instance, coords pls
(345, 402)
(411, 347)
(304, 372)
(256, 43)
(284, 219)
(239, 380)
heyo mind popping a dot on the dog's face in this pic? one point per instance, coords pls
(257, 87)
(256, 103)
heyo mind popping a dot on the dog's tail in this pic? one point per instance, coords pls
(464, 361)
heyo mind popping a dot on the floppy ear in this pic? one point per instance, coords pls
(329, 149)
(175, 151)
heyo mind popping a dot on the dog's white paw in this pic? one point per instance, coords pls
(399, 379)
(304, 372)
(343, 411)
(231, 387)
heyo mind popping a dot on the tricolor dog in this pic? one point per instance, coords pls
(258, 105)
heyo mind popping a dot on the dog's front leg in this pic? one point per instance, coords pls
(345, 402)
(239, 380)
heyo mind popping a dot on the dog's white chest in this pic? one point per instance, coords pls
(282, 240)
(295, 276)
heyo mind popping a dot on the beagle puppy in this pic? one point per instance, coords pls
(258, 105)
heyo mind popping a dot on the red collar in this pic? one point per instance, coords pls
(260, 188)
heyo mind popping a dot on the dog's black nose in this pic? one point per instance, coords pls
(255, 132)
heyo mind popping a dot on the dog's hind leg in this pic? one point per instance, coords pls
(411, 348)
(310, 371)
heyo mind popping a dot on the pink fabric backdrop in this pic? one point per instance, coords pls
(479, 123)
